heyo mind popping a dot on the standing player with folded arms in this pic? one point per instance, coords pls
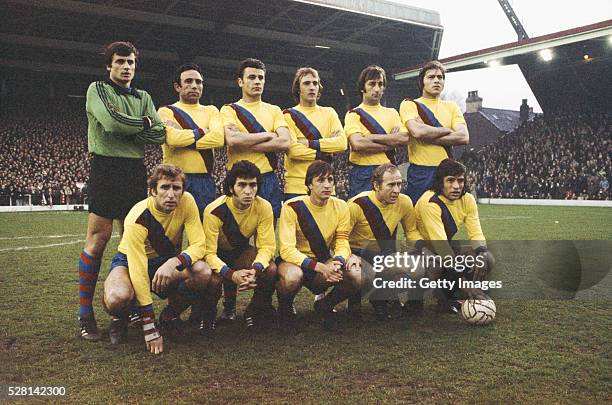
(316, 131)
(254, 131)
(121, 120)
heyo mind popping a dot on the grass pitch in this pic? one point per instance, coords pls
(537, 350)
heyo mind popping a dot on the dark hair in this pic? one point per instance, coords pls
(369, 73)
(183, 68)
(252, 63)
(165, 170)
(120, 48)
(434, 64)
(243, 169)
(316, 169)
(301, 72)
(448, 167)
(379, 172)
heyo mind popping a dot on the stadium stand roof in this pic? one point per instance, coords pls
(338, 37)
(568, 77)
(504, 120)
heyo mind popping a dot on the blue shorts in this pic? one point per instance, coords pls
(202, 188)
(360, 179)
(271, 192)
(120, 259)
(419, 180)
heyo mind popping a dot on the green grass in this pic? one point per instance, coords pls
(539, 350)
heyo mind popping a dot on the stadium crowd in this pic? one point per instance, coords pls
(45, 160)
(555, 156)
(559, 156)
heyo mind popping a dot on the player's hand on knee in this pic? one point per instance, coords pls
(330, 271)
(156, 346)
(164, 276)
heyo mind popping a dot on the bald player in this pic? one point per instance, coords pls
(375, 216)
(192, 150)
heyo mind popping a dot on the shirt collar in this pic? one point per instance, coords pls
(123, 90)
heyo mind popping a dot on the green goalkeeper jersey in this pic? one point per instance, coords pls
(121, 120)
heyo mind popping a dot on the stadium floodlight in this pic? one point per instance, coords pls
(546, 55)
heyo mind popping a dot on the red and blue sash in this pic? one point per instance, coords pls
(186, 122)
(156, 234)
(310, 131)
(429, 118)
(311, 231)
(230, 227)
(374, 127)
(376, 221)
(251, 124)
(450, 227)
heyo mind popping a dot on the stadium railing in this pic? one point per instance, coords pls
(561, 203)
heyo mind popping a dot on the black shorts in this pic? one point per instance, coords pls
(115, 185)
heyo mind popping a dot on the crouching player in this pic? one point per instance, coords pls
(150, 260)
(439, 213)
(309, 227)
(229, 222)
(375, 216)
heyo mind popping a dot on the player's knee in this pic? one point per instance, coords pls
(352, 279)
(200, 275)
(117, 300)
(290, 277)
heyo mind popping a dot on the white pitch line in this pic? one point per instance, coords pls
(503, 218)
(39, 237)
(42, 246)
(44, 236)
(46, 246)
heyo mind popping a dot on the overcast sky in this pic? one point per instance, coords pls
(470, 25)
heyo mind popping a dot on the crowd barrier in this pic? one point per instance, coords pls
(489, 201)
(558, 203)
(43, 208)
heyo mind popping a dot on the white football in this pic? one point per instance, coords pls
(478, 312)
